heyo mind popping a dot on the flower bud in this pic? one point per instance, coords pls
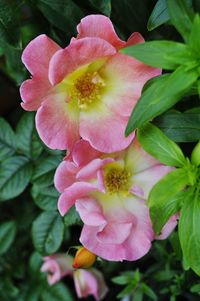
(83, 259)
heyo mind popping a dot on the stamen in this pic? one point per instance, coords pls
(117, 180)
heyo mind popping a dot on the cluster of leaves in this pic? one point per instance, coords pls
(30, 226)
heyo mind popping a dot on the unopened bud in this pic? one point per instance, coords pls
(83, 259)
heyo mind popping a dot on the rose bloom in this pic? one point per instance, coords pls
(87, 282)
(110, 193)
(87, 89)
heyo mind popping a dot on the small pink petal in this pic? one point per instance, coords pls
(135, 38)
(65, 175)
(85, 284)
(101, 27)
(168, 228)
(83, 153)
(89, 171)
(72, 193)
(77, 54)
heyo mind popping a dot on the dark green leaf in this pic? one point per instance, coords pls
(28, 141)
(104, 6)
(15, 174)
(180, 127)
(162, 54)
(160, 96)
(64, 14)
(195, 288)
(181, 17)
(45, 198)
(72, 218)
(159, 15)
(7, 235)
(166, 197)
(189, 225)
(160, 147)
(148, 292)
(7, 140)
(58, 292)
(47, 232)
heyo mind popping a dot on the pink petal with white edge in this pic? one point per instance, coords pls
(89, 171)
(126, 77)
(149, 177)
(37, 54)
(72, 193)
(101, 27)
(115, 233)
(83, 153)
(168, 228)
(32, 93)
(65, 175)
(56, 123)
(77, 54)
(90, 212)
(135, 38)
(104, 130)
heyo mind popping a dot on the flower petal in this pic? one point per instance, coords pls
(114, 232)
(89, 171)
(85, 284)
(78, 53)
(135, 38)
(83, 153)
(57, 122)
(101, 27)
(37, 54)
(72, 193)
(168, 227)
(65, 175)
(90, 212)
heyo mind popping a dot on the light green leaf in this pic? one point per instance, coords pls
(159, 146)
(15, 174)
(160, 96)
(7, 140)
(7, 235)
(195, 156)
(189, 225)
(47, 232)
(57, 292)
(162, 54)
(159, 15)
(194, 37)
(166, 197)
(28, 141)
(181, 16)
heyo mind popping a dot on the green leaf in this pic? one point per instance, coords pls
(162, 54)
(15, 174)
(7, 235)
(159, 15)
(160, 147)
(160, 96)
(195, 288)
(180, 127)
(8, 22)
(189, 225)
(194, 37)
(47, 232)
(72, 217)
(45, 198)
(63, 14)
(7, 140)
(195, 156)
(28, 141)
(104, 6)
(45, 169)
(148, 292)
(57, 292)
(166, 197)
(181, 16)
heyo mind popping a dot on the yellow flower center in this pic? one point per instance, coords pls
(117, 180)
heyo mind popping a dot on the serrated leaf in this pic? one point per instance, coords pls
(57, 292)
(159, 15)
(7, 235)
(160, 96)
(188, 229)
(166, 197)
(45, 198)
(7, 140)
(161, 54)
(47, 232)
(27, 139)
(159, 146)
(15, 174)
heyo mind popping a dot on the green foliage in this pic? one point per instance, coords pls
(159, 15)
(7, 235)
(7, 140)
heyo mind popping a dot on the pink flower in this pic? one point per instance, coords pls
(87, 282)
(110, 194)
(87, 89)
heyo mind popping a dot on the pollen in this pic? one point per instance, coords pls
(117, 180)
(87, 89)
